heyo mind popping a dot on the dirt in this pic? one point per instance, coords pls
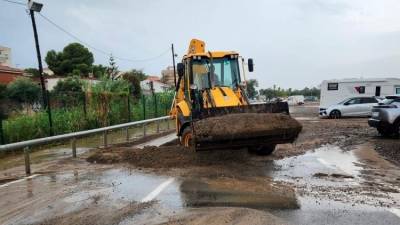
(173, 156)
(333, 175)
(97, 215)
(346, 134)
(389, 148)
(245, 126)
(218, 215)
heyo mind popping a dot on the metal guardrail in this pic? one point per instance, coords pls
(26, 145)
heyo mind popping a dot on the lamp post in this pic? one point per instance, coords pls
(37, 7)
(173, 62)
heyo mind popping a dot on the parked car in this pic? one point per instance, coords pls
(350, 107)
(386, 116)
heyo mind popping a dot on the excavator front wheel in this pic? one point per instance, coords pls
(263, 150)
(187, 137)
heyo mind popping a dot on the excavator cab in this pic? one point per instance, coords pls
(209, 88)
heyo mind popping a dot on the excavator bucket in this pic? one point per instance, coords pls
(244, 126)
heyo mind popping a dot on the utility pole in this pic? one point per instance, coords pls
(37, 7)
(173, 62)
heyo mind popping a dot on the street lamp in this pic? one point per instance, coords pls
(37, 7)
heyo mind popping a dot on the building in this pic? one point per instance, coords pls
(9, 74)
(168, 76)
(5, 56)
(52, 81)
(155, 82)
(335, 91)
(48, 72)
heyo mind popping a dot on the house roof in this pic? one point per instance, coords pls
(153, 78)
(8, 74)
(8, 69)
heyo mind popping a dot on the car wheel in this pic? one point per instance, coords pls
(396, 128)
(335, 114)
(187, 138)
(387, 131)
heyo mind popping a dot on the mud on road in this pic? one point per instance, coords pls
(346, 136)
(336, 172)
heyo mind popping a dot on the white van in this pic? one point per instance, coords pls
(295, 100)
(335, 91)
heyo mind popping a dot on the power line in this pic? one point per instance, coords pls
(72, 35)
(98, 49)
(15, 2)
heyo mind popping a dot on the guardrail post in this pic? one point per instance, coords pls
(168, 124)
(73, 146)
(127, 134)
(144, 130)
(27, 161)
(105, 141)
(158, 126)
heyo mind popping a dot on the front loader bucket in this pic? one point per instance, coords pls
(244, 126)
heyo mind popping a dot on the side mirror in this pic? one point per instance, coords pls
(250, 64)
(181, 69)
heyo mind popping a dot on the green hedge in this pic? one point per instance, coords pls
(73, 119)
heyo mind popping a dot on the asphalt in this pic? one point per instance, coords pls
(324, 186)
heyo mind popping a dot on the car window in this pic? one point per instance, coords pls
(369, 100)
(354, 101)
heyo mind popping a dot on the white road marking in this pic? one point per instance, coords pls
(20, 180)
(158, 190)
(395, 211)
(325, 163)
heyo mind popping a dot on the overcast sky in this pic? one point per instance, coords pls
(294, 43)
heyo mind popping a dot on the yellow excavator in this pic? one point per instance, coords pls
(210, 105)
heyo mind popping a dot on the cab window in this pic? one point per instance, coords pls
(200, 75)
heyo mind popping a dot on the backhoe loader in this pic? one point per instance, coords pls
(212, 110)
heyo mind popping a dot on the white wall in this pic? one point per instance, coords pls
(158, 87)
(52, 82)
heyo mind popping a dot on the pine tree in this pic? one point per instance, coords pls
(112, 69)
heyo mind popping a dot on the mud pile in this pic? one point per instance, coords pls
(167, 157)
(246, 125)
(218, 215)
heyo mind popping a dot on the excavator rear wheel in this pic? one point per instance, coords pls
(187, 137)
(263, 150)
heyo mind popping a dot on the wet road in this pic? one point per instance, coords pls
(328, 185)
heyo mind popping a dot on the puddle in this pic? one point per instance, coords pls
(318, 211)
(325, 162)
(237, 193)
